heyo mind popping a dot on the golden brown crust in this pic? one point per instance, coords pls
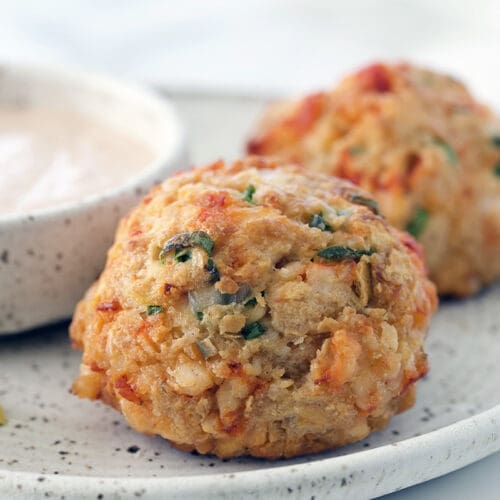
(343, 340)
(420, 143)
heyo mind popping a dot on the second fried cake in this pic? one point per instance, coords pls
(422, 145)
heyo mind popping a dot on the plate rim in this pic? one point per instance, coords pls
(481, 432)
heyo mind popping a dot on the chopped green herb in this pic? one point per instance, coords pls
(199, 315)
(496, 169)
(182, 255)
(318, 221)
(251, 303)
(3, 418)
(346, 212)
(236, 298)
(253, 330)
(226, 298)
(248, 193)
(448, 150)
(356, 150)
(154, 310)
(188, 240)
(495, 140)
(418, 223)
(343, 253)
(213, 271)
(367, 202)
(201, 239)
(206, 348)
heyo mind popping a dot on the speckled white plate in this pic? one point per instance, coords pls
(56, 445)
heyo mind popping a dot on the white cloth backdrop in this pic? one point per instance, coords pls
(255, 45)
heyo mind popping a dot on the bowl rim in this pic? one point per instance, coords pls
(173, 148)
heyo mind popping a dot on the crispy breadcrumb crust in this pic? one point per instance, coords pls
(426, 150)
(339, 344)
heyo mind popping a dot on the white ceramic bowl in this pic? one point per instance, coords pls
(49, 257)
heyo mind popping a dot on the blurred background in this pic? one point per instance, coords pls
(255, 46)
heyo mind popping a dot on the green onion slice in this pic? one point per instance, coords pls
(416, 225)
(367, 202)
(248, 193)
(448, 150)
(253, 330)
(152, 310)
(213, 271)
(343, 253)
(318, 221)
(188, 240)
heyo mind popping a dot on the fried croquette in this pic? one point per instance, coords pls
(426, 150)
(247, 309)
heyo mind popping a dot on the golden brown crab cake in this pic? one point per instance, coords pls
(252, 310)
(426, 150)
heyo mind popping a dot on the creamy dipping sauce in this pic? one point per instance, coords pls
(53, 156)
